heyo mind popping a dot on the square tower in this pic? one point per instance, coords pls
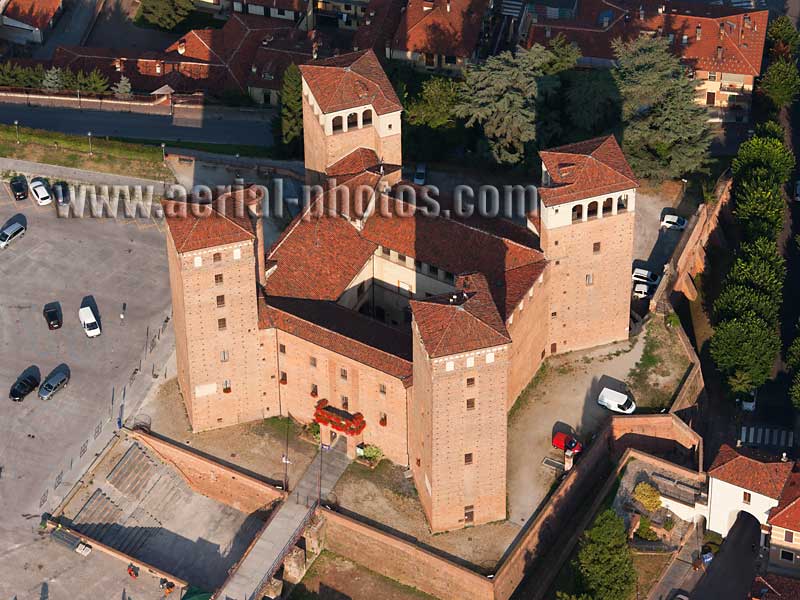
(586, 216)
(348, 103)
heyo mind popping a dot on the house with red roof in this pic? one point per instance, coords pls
(28, 21)
(388, 325)
(721, 46)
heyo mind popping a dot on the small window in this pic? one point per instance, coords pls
(470, 381)
(553, 315)
(418, 265)
(449, 277)
(555, 243)
(386, 251)
(433, 271)
(787, 556)
(217, 257)
(596, 247)
(218, 279)
(312, 361)
(788, 536)
(282, 348)
(223, 356)
(470, 403)
(226, 386)
(222, 324)
(449, 60)
(314, 390)
(589, 279)
(468, 458)
(345, 403)
(384, 420)
(382, 388)
(284, 378)
(220, 301)
(401, 258)
(746, 497)
(712, 76)
(343, 374)
(419, 462)
(469, 514)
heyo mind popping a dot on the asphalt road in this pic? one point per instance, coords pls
(732, 571)
(225, 127)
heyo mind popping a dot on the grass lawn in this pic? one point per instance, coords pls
(229, 149)
(197, 19)
(109, 156)
(648, 569)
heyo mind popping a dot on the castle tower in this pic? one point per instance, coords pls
(212, 252)
(457, 417)
(348, 103)
(586, 218)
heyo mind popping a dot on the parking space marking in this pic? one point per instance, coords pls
(7, 197)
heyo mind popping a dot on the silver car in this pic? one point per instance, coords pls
(10, 234)
(53, 383)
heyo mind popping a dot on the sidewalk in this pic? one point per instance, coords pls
(679, 574)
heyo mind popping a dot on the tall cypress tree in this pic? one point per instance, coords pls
(292, 111)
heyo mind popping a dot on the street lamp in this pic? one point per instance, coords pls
(163, 152)
(16, 126)
(90, 143)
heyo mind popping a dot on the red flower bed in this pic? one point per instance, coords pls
(351, 426)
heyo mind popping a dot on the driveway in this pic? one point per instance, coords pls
(733, 569)
(46, 446)
(115, 23)
(565, 399)
(70, 27)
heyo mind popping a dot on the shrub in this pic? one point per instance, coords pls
(604, 559)
(669, 524)
(313, 429)
(793, 355)
(648, 496)
(373, 453)
(794, 391)
(645, 532)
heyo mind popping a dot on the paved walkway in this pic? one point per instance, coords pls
(679, 574)
(56, 172)
(275, 540)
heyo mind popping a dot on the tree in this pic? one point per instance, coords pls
(737, 299)
(166, 14)
(781, 83)
(766, 152)
(770, 129)
(566, 596)
(647, 495)
(434, 106)
(122, 89)
(782, 38)
(666, 133)
(745, 346)
(793, 355)
(604, 559)
(52, 81)
(760, 267)
(292, 111)
(794, 391)
(599, 115)
(760, 207)
(503, 94)
(95, 82)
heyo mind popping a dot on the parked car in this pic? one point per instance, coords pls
(645, 276)
(52, 384)
(52, 315)
(40, 191)
(564, 441)
(616, 401)
(642, 291)
(19, 187)
(23, 386)
(89, 321)
(747, 400)
(61, 192)
(11, 233)
(673, 222)
(420, 174)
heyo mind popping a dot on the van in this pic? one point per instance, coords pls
(53, 383)
(88, 321)
(616, 401)
(11, 233)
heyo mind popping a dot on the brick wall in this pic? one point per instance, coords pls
(661, 435)
(212, 479)
(402, 561)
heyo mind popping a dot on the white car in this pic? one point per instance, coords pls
(748, 401)
(645, 276)
(420, 174)
(89, 322)
(40, 192)
(616, 401)
(642, 291)
(673, 222)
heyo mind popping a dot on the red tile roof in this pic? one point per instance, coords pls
(787, 513)
(36, 13)
(740, 33)
(760, 474)
(351, 80)
(446, 27)
(343, 331)
(461, 321)
(225, 221)
(775, 587)
(590, 168)
(357, 161)
(378, 28)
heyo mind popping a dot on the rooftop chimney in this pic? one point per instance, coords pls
(427, 5)
(448, 5)
(698, 32)
(641, 12)
(719, 52)
(661, 9)
(182, 47)
(784, 458)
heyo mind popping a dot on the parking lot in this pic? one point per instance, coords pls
(46, 446)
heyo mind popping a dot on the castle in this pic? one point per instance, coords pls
(386, 326)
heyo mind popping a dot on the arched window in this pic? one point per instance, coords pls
(577, 213)
(593, 209)
(352, 121)
(622, 203)
(337, 124)
(608, 206)
(366, 118)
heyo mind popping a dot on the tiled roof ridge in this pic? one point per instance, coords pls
(198, 218)
(336, 333)
(293, 225)
(202, 41)
(755, 69)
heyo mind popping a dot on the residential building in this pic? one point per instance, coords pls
(721, 46)
(388, 326)
(28, 21)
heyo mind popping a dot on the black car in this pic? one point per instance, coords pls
(52, 315)
(19, 187)
(23, 386)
